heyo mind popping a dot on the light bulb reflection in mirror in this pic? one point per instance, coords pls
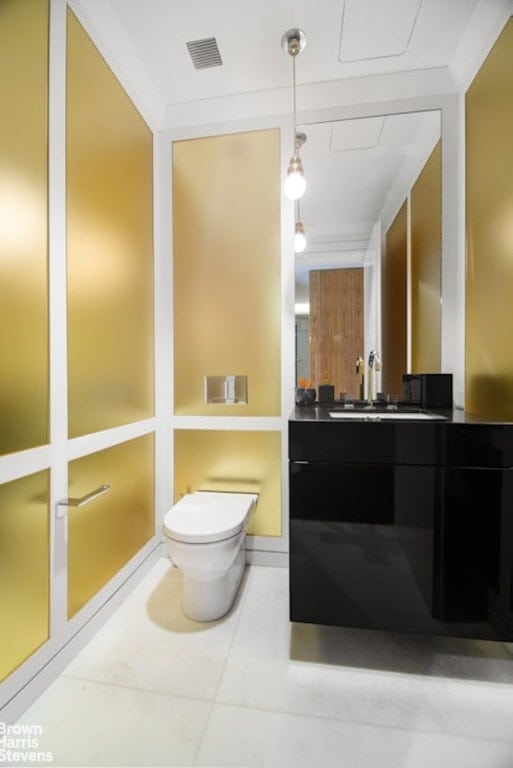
(300, 241)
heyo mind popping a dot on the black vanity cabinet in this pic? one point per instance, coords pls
(401, 526)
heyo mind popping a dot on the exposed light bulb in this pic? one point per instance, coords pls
(295, 183)
(300, 242)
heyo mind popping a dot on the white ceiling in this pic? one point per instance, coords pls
(363, 159)
(345, 38)
(351, 167)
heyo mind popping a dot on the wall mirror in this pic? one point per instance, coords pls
(364, 200)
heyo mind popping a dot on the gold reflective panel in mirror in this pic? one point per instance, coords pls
(23, 224)
(426, 241)
(24, 569)
(394, 303)
(109, 245)
(360, 173)
(106, 532)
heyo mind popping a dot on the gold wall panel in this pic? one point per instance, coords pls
(230, 460)
(489, 194)
(426, 243)
(24, 569)
(227, 310)
(336, 328)
(394, 319)
(109, 245)
(105, 533)
(23, 224)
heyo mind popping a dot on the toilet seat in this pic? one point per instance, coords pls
(208, 516)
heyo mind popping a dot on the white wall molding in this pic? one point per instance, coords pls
(486, 23)
(368, 90)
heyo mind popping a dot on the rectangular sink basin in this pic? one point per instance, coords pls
(385, 416)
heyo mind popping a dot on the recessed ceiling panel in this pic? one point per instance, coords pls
(361, 133)
(371, 30)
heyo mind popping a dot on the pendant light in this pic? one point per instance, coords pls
(293, 42)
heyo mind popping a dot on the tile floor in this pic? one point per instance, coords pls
(155, 689)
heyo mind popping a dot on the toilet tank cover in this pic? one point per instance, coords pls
(206, 516)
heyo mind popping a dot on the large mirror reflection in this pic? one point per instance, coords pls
(369, 278)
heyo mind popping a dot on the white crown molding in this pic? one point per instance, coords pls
(485, 25)
(312, 97)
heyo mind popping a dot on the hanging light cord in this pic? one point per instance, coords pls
(293, 42)
(294, 98)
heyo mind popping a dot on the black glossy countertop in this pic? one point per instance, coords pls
(455, 416)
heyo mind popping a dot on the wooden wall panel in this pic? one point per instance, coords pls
(336, 328)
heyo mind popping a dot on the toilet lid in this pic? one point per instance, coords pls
(206, 516)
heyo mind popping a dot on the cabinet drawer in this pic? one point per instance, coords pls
(367, 442)
(479, 445)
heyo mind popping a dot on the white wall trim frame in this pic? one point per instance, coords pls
(57, 316)
(163, 328)
(260, 544)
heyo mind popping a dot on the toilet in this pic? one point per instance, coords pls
(205, 534)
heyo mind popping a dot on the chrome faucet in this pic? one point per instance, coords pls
(360, 372)
(374, 364)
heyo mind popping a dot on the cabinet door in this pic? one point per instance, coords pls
(477, 564)
(104, 534)
(362, 545)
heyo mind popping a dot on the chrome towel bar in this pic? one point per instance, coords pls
(79, 502)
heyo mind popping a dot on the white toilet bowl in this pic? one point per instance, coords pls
(205, 535)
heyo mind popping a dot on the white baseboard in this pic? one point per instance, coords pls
(261, 557)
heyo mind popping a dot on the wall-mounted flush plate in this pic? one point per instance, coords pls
(228, 389)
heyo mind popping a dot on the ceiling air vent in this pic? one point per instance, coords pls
(205, 53)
